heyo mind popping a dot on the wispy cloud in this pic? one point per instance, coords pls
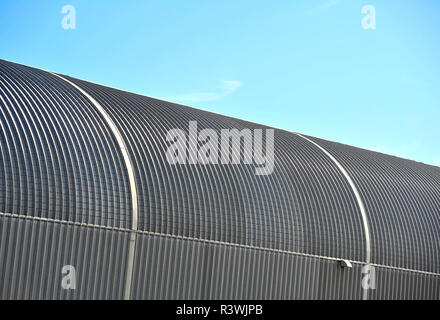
(227, 87)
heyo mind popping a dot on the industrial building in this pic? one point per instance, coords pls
(84, 182)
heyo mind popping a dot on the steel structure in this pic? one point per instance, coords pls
(84, 181)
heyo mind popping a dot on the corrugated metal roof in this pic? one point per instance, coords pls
(61, 160)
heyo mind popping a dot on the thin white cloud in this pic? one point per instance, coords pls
(231, 85)
(227, 87)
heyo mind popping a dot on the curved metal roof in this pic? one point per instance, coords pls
(61, 159)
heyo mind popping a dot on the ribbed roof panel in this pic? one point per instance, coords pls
(58, 158)
(305, 205)
(402, 199)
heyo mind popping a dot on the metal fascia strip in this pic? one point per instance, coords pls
(132, 181)
(358, 199)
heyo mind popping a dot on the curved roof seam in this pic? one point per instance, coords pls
(356, 193)
(358, 199)
(310, 210)
(171, 236)
(131, 177)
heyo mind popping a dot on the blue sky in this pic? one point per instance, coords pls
(304, 65)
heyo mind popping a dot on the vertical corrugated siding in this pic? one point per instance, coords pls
(32, 254)
(404, 285)
(168, 268)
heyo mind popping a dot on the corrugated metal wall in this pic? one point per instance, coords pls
(168, 268)
(394, 284)
(204, 231)
(33, 253)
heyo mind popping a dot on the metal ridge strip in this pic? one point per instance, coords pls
(216, 242)
(358, 199)
(132, 181)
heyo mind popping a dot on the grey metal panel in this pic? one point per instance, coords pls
(59, 159)
(168, 268)
(306, 205)
(32, 254)
(402, 199)
(394, 284)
